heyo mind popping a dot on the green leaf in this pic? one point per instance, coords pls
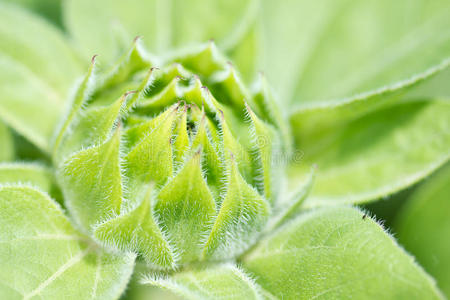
(136, 230)
(330, 49)
(138, 291)
(33, 82)
(242, 215)
(50, 9)
(39, 47)
(43, 256)
(332, 253)
(217, 282)
(435, 87)
(185, 208)
(92, 184)
(320, 118)
(23, 96)
(424, 225)
(364, 154)
(107, 26)
(27, 173)
(7, 142)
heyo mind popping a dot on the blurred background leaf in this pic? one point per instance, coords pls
(107, 27)
(371, 147)
(38, 69)
(49, 9)
(310, 50)
(6, 140)
(423, 226)
(328, 49)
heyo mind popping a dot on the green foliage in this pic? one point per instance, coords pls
(374, 145)
(50, 9)
(347, 47)
(6, 140)
(186, 213)
(91, 183)
(107, 26)
(212, 192)
(137, 230)
(26, 57)
(173, 160)
(332, 253)
(219, 282)
(242, 215)
(42, 255)
(31, 174)
(424, 225)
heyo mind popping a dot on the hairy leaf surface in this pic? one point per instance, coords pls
(219, 282)
(333, 253)
(43, 256)
(27, 173)
(137, 230)
(242, 215)
(186, 212)
(92, 183)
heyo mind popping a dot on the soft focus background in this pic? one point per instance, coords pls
(313, 53)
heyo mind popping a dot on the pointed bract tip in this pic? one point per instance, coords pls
(194, 106)
(119, 125)
(247, 107)
(94, 58)
(126, 94)
(129, 93)
(154, 68)
(202, 120)
(222, 116)
(199, 151)
(175, 107)
(181, 101)
(137, 38)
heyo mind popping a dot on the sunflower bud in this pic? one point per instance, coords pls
(171, 158)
